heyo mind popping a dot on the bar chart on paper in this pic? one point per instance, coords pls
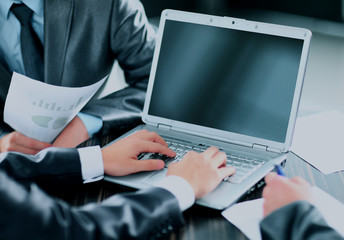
(48, 120)
(45, 109)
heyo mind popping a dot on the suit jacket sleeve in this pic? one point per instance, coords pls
(299, 220)
(28, 213)
(52, 167)
(132, 42)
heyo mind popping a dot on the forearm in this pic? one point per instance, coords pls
(140, 215)
(299, 220)
(53, 166)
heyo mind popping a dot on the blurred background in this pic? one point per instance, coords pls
(324, 81)
(325, 9)
(312, 14)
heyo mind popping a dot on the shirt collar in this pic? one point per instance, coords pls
(35, 5)
(5, 6)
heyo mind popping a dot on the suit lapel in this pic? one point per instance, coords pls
(57, 24)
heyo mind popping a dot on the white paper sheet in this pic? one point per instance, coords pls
(247, 215)
(319, 139)
(41, 111)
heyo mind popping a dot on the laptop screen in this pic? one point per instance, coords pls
(236, 81)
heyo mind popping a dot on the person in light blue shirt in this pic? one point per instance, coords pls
(81, 41)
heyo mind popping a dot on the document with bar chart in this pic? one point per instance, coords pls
(40, 110)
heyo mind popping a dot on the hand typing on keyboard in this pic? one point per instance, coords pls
(204, 171)
(121, 157)
(244, 165)
(202, 168)
(165, 158)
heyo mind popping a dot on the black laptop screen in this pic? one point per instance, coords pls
(237, 81)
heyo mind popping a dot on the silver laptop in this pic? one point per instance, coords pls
(224, 82)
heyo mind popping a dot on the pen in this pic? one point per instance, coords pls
(279, 170)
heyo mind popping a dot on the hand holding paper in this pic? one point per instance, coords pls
(41, 111)
(17, 142)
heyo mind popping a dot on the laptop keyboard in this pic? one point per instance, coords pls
(244, 166)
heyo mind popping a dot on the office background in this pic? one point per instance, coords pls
(324, 79)
(330, 10)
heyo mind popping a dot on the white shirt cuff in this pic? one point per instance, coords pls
(92, 168)
(180, 188)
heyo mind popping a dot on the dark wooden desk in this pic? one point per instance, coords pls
(204, 223)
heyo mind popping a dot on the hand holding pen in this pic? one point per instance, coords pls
(279, 171)
(280, 191)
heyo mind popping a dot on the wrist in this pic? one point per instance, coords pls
(105, 156)
(180, 188)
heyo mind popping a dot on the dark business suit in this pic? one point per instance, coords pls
(81, 41)
(296, 221)
(26, 212)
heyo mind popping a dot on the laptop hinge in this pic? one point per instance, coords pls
(265, 148)
(259, 146)
(164, 127)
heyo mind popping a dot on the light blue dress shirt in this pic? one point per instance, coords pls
(11, 52)
(10, 32)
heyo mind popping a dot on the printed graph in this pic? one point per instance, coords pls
(49, 121)
(54, 107)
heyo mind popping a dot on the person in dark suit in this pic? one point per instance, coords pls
(289, 212)
(81, 40)
(27, 212)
